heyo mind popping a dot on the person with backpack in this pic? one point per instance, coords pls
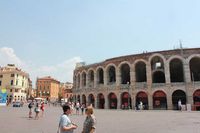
(30, 106)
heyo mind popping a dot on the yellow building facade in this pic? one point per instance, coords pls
(15, 81)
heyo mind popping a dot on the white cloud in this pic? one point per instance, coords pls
(62, 71)
(7, 56)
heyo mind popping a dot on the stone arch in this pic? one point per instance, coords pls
(140, 71)
(91, 100)
(91, 77)
(100, 101)
(84, 101)
(112, 100)
(111, 73)
(142, 97)
(78, 80)
(159, 100)
(78, 98)
(176, 96)
(196, 99)
(157, 62)
(158, 76)
(84, 78)
(157, 54)
(100, 75)
(125, 72)
(176, 69)
(126, 101)
(194, 64)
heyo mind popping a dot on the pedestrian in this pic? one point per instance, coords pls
(30, 106)
(65, 124)
(37, 111)
(77, 108)
(179, 105)
(82, 108)
(42, 108)
(89, 125)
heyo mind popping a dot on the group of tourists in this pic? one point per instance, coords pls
(76, 107)
(67, 126)
(38, 107)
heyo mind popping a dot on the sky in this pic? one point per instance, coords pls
(48, 37)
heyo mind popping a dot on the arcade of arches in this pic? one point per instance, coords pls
(159, 100)
(159, 82)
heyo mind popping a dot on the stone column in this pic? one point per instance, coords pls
(167, 73)
(133, 100)
(132, 75)
(96, 102)
(118, 101)
(81, 100)
(169, 101)
(95, 79)
(187, 73)
(150, 101)
(148, 74)
(105, 78)
(87, 80)
(81, 82)
(118, 77)
(106, 102)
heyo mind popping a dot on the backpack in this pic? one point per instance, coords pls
(30, 105)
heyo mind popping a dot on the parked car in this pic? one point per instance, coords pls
(17, 104)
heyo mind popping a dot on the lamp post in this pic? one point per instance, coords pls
(128, 85)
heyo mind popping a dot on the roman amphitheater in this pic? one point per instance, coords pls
(158, 80)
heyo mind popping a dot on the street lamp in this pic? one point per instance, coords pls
(128, 85)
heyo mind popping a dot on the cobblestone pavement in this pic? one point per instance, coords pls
(15, 120)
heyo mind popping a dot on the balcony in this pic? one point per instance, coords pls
(13, 87)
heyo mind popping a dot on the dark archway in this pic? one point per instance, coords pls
(78, 81)
(91, 100)
(196, 99)
(84, 100)
(140, 70)
(84, 79)
(176, 71)
(158, 69)
(126, 101)
(101, 101)
(142, 97)
(195, 69)
(91, 78)
(158, 77)
(159, 100)
(78, 98)
(125, 74)
(176, 96)
(111, 74)
(112, 98)
(100, 76)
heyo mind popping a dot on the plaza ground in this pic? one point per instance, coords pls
(15, 120)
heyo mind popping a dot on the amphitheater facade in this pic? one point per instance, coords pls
(155, 80)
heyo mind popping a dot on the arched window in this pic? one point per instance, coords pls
(111, 74)
(140, 70)
(125, 74)
(195, 69)
(176, 71)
